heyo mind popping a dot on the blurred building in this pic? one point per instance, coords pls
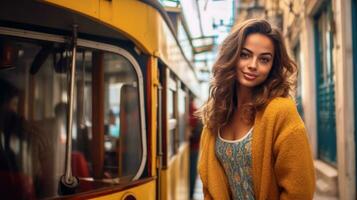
(201, 25)
(322, 37)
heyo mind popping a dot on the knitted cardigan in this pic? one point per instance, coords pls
(282, 165)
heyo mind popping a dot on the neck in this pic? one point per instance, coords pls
(245, 95)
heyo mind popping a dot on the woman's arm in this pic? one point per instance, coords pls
(293, 167)
(201, 169)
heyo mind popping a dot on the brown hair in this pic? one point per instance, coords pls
(222, 101)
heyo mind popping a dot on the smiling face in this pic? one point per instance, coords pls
(255, 60)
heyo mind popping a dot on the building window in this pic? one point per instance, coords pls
(326, 118)
(299, 61)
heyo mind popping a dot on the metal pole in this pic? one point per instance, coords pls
(159, 138)
(69, 178)
(69, 182)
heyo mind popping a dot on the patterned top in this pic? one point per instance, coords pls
(236, 158)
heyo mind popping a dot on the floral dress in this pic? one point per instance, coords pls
(236, 158)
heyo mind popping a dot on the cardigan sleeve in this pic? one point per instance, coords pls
(206, 194)
(293, 166)
(201, 169)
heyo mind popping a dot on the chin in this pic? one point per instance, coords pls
(249, 84)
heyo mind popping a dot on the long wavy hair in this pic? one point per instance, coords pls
(218, 111)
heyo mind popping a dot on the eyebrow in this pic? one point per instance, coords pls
(263, 54)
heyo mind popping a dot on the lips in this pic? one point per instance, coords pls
(249, 76)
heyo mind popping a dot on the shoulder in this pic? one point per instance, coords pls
(206, 134)
(281, 106)
(281, 110)
(282, 116)
(206, 137)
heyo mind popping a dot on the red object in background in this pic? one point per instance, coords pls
(192, 119)
(79, 165)
(196, 127)
(15, 185)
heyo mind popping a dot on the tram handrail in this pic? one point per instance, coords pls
(68, 182)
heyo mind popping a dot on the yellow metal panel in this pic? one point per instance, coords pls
(175, 179)
(106, 10)
(82, 6)
(145, 191)
(154, 101)
(138, 20)
(134, 19)
(166, 184)
(182, 173)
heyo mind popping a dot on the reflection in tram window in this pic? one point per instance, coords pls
(32, 133)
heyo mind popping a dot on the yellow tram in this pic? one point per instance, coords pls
(94, 99)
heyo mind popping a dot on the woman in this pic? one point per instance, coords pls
(254, 144)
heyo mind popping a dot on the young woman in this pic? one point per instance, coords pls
(254, 144)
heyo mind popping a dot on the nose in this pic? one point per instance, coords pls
(253, 64)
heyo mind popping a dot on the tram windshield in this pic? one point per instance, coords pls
(34, 78)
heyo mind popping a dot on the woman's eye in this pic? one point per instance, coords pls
(244, 55)
(265, 60)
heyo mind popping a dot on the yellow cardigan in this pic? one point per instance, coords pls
(282, 165)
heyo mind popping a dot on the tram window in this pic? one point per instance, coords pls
(123, 152)
(172, 122)
(82, 136)
(121, 148)
(33, 110)
(32, 128)
(171, 104)
(182, 105)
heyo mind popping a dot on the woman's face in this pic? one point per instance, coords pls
(255, 60)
